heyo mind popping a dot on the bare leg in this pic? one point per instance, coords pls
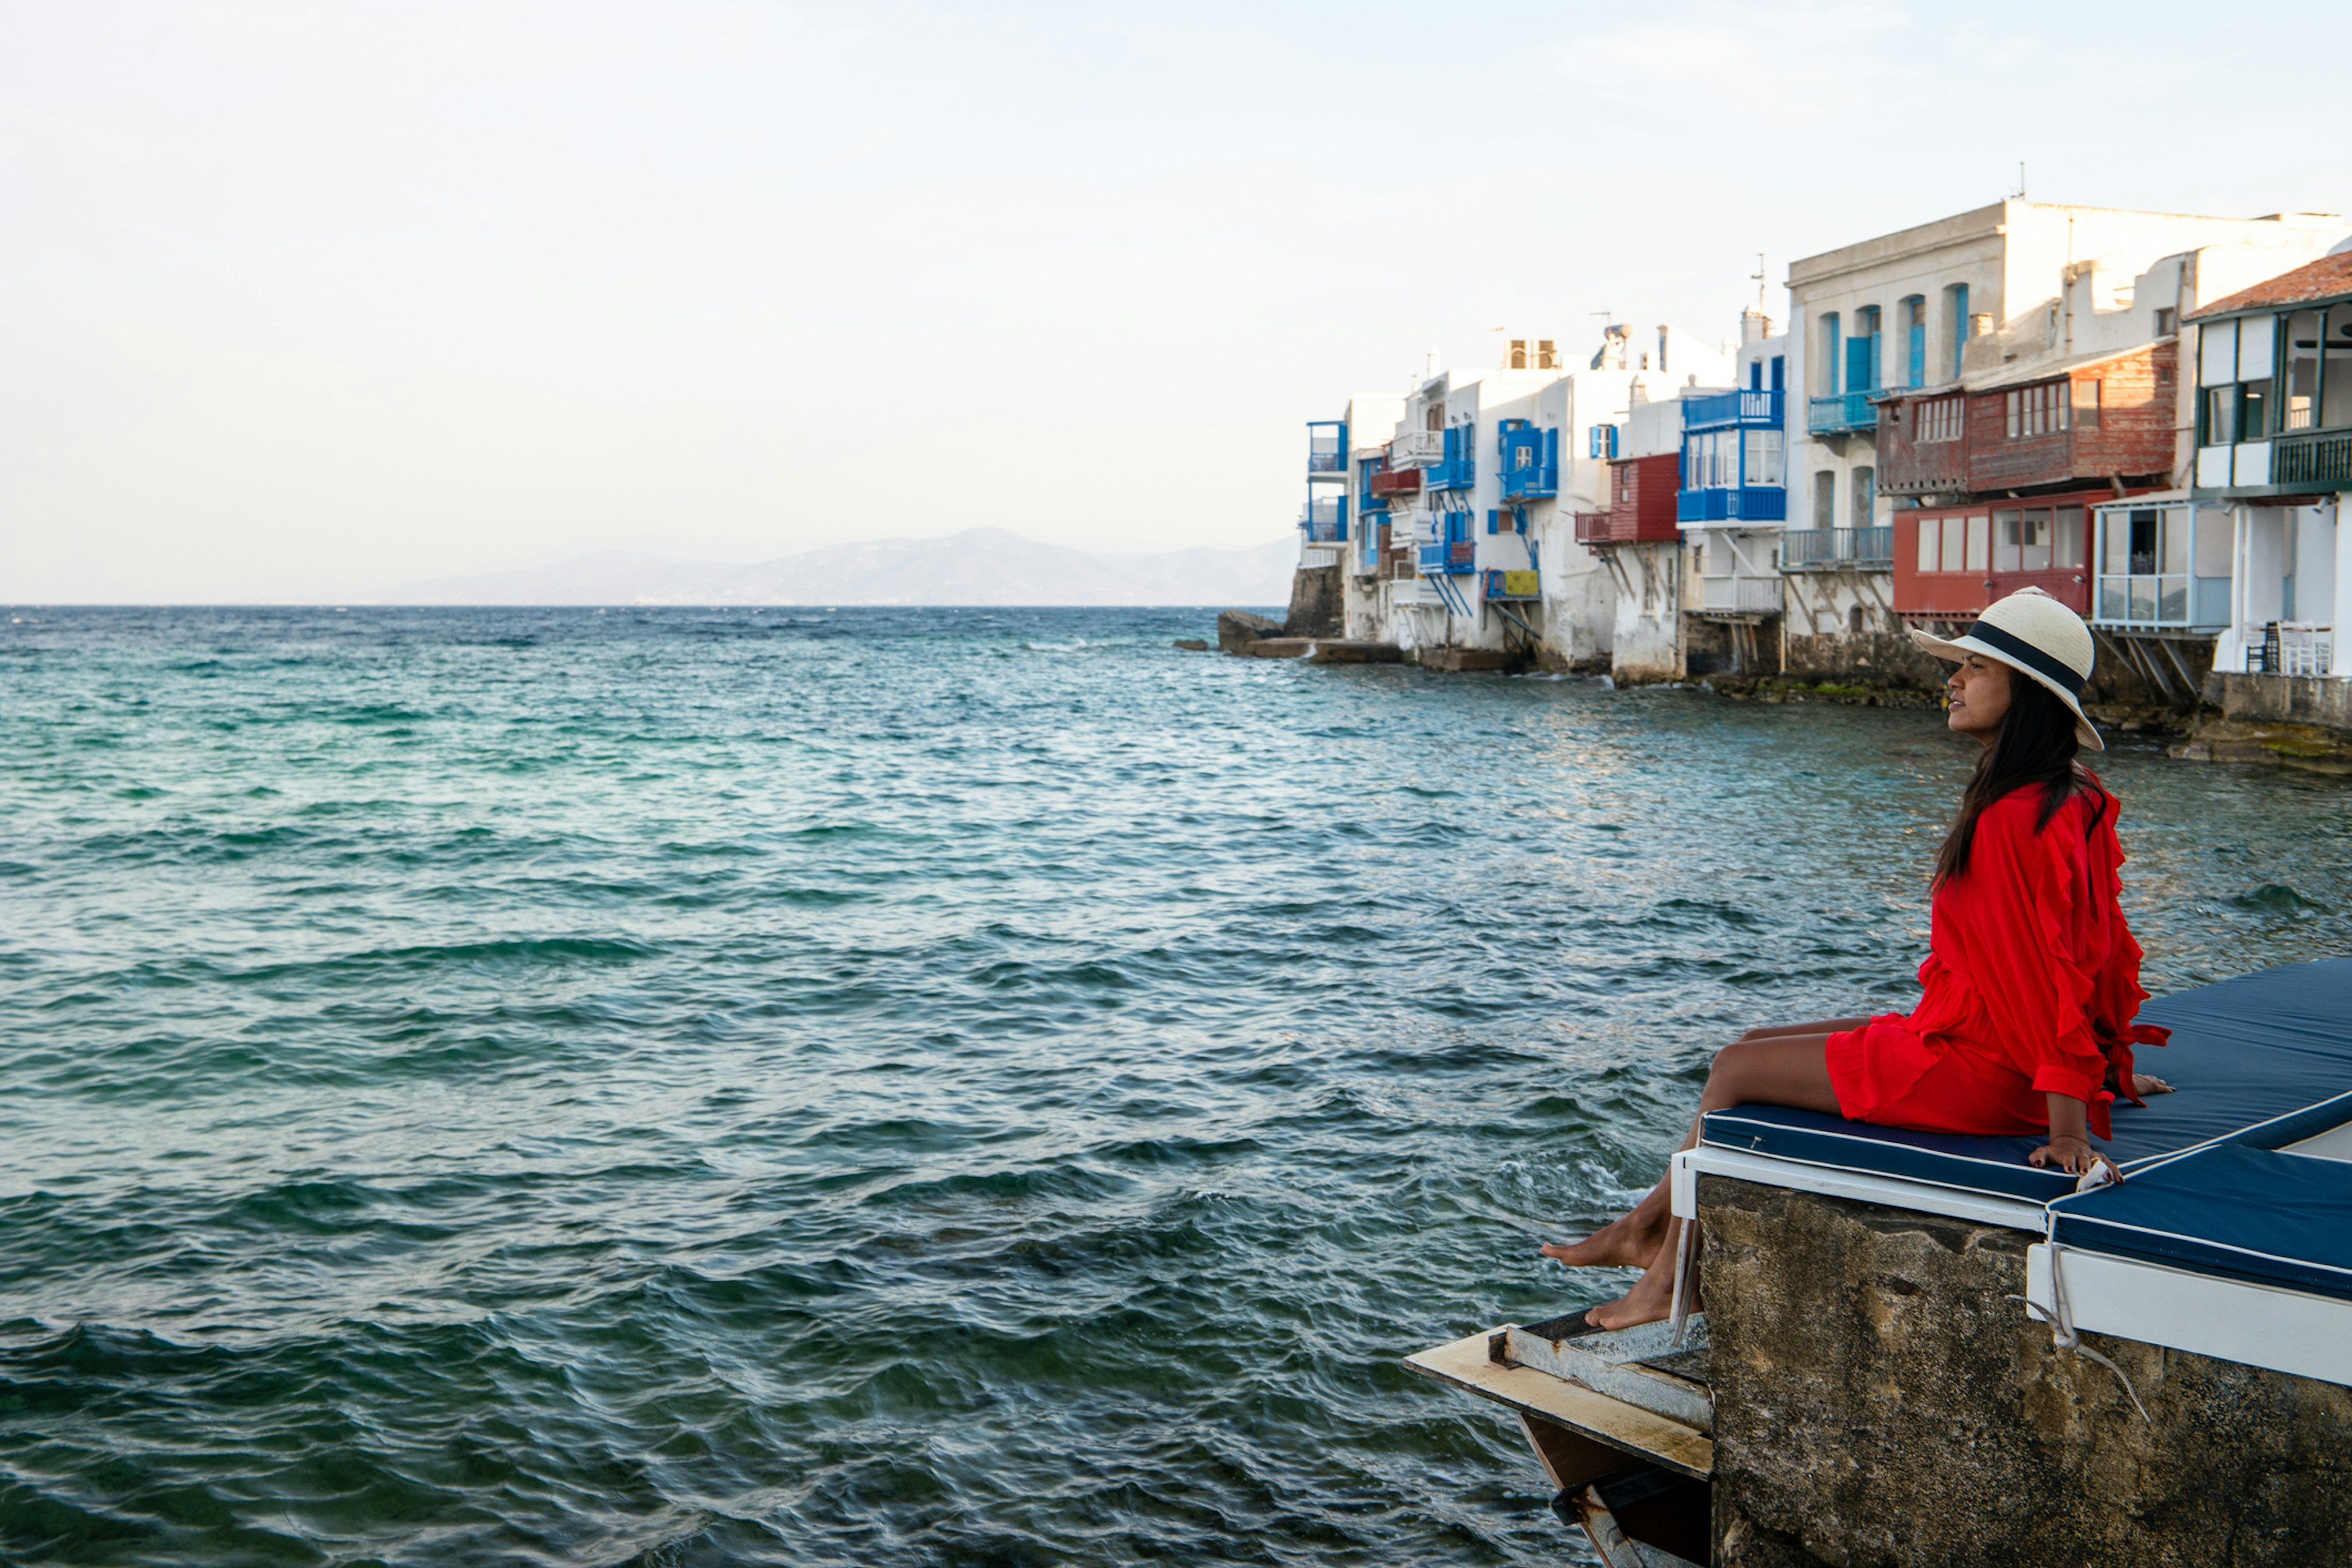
(1634, 1241)
(1773, 1069)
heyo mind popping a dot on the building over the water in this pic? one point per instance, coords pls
(1468, 557)
(2024, 352)
(2273, 456)
(1733, 509)
(1635, 539)
(2145, 415)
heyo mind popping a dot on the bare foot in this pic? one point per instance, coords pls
(2147, 1083)
(1651, 1300)
(1628, 1243)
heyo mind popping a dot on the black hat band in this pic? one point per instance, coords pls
(2060, 673)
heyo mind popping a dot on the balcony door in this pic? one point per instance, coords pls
(1862, 351)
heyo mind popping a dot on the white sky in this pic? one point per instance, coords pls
(309, 298)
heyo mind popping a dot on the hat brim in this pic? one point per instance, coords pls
(1959, 649)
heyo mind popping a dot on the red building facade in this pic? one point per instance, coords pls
(2006, 470)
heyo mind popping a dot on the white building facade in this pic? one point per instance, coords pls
(1982, 295)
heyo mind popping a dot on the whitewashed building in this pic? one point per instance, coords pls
(2008, 296)
(1480, 565)
(2273, 447)
(1733, 510)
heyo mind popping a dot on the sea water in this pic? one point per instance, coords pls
(796, 1085)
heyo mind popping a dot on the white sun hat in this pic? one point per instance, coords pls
(2036, 635)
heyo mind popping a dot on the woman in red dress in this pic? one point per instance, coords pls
(2024, 1022)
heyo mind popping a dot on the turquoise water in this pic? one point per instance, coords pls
(685, 1088)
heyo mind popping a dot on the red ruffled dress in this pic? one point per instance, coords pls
(2030, 987)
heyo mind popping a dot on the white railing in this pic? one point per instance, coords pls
(1412, 591)
(1742, 594)
(1417, 526)
(2306, 650)
(1416, 449)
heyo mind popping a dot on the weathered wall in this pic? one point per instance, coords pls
(1318, 604)
(1880, 1400)
(2282, 698)
(1841, 628)
(1646, 644)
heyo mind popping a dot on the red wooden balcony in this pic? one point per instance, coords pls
(1399, 482)
(1642, 510)
(2034, 429)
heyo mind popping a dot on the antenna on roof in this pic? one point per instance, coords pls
(2019, 195)
(1759, 275)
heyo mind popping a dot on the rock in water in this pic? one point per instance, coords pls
(1236, 629)
(1193, 645)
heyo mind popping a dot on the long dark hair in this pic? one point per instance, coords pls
(2035, 746)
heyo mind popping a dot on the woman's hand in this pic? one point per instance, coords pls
(2072, 1154)
(2069, 1148)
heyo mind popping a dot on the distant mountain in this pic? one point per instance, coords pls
(977, 566)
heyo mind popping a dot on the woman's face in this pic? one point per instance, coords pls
(1977, 692)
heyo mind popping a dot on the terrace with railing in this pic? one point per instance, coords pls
(2292, 648)
(1740, 593)
(1326, 447)
(1324, 520)
(1841, 413)
(2322, 461)
(1838, 550)
(1761, 409)
(1416, 449)
(1458, 469)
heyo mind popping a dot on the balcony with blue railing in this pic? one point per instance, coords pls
(1326, 447)
(1843, 413)
(1459, 559)
(1733, 503)
(1324, 520)
(1458, 469)
(1753, 408)
(1530, 461)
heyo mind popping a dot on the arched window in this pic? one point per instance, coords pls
(1915, 340)
(1830, 338)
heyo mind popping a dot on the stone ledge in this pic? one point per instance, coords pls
(1880, 1399)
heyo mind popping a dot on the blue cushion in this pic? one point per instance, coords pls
(2248, 1214)
(2262, 1061)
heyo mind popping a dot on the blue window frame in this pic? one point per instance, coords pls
(1959, 296)
(1915, 321)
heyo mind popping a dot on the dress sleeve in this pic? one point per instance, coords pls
(2031, 887)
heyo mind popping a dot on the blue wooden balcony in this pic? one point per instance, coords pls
(1843, 413)
(1458, 469)
(1326, 446)
(1740, 503)
(1530, 461)
(1760, 409)
(1324, 520)
(1455, 559)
